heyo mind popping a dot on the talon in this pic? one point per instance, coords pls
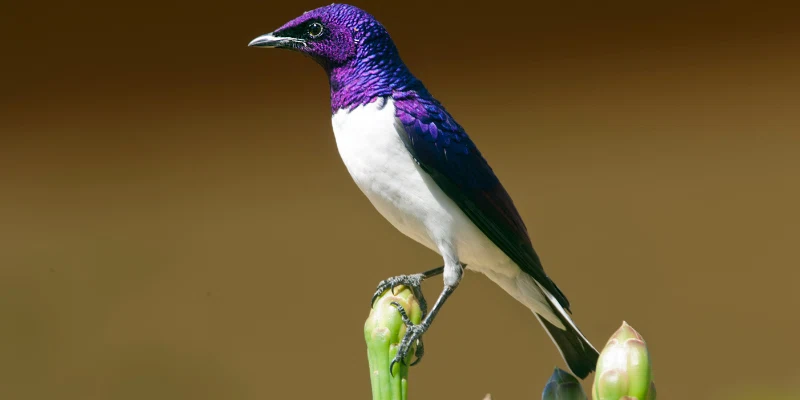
(382, 287)
(416, 361)
(419, 352)
(413, 333)
(400, 357)
(391, 366)
(378, 292)
(403, 314)
(413, 282)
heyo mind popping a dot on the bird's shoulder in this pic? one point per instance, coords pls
(436, 139)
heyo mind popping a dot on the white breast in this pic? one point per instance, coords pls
(383, 169)
(377, 159)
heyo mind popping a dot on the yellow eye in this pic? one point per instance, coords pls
(315, 30)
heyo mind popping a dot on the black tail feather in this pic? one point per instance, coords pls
(579, 354)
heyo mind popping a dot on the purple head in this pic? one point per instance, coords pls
(355, 50)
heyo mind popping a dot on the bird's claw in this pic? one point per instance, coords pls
(413, 334)
(414, 282)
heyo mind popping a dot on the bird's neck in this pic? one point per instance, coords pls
(373, 74)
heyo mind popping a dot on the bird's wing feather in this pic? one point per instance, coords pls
(443, 150)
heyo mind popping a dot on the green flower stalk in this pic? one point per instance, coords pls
(383, 331)
(624, 371)
(563, 386)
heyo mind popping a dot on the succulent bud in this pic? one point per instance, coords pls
(383, 331)
(563, 386)
(623, 369)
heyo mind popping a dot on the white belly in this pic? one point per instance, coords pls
(382, 167)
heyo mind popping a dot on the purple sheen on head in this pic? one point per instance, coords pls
(335, 46)
(356, 52)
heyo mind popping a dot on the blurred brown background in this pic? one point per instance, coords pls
(175, 221)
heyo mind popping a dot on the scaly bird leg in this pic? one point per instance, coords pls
(414, 332)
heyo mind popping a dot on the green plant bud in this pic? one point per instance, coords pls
(623, 369)
(383, 331)
(563, 386)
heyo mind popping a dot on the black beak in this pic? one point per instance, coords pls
(271, 41)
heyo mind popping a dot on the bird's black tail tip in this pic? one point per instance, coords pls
(579, 354)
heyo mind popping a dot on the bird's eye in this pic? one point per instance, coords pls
(315, 30)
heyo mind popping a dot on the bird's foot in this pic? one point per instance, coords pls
(413, 282)
(413, 334)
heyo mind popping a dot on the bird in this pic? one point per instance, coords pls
(422, 173)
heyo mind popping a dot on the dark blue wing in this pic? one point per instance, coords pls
(445, 152)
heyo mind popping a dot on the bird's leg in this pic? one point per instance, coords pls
(414, 332)
(413, 282)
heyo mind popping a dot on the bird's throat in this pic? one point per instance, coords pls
(361, 81)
